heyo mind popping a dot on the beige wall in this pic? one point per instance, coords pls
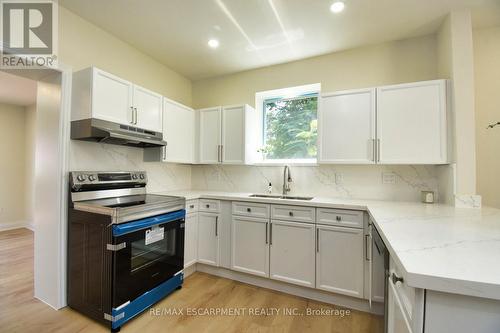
(455, 61)
(82, 44)
(487, 91)
(30, 149)
(395, 62)
(12, 166)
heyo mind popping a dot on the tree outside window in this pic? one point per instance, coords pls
(291, 128)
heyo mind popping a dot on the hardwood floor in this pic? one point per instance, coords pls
(20, 312)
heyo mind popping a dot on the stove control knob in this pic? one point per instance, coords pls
(134, 176)
(141, 176)
(81, 178)
(92, 178)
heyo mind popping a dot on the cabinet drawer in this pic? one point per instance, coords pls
(251, 209)
(405, 293)
(340, 217)
(207, 205)
(293, 213)
(191, 206)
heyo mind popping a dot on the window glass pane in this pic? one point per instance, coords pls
(290, 128)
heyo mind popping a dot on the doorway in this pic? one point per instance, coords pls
(42, 172)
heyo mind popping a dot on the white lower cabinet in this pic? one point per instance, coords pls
(339, 260)
(292, 252)
(191, 239)
(397, 321)
(208, 238)
(250, 245)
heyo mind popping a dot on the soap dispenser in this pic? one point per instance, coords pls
(270, 188)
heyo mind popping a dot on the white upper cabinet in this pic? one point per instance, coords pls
(233, 135)
(412, 123)
(101, 95)
(148, 108)
(210, 135)
(227, 135)
(179, 132)
(346, 123)
(111, 98)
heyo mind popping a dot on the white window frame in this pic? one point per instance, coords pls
(284, 93)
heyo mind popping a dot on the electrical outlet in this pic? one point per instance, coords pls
(339, 178)
(388, 178)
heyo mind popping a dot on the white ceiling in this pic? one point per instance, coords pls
(257, 33)
(16, 90)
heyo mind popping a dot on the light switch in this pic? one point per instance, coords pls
(388, 178)
(339, 178)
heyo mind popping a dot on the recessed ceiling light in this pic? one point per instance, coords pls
(337, 7)
(213, 43)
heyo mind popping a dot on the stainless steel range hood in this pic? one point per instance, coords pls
(97, 130)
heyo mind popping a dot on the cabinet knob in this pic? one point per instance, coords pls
(191, 206)
(249, 210)
(338, 218)
(396, 279)
(208, 206)
(290, 213)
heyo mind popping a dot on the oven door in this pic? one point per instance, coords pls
(152, 251)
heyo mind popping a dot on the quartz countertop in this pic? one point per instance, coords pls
(439, 247)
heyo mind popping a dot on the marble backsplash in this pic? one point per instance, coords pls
(90, 156)
(358, 181)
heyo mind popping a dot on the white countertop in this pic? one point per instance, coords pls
(439, 247)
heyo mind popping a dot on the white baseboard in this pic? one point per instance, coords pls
(16, 225)
(310, 293)
(189, 270)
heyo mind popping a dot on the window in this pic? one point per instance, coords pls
(290, 128)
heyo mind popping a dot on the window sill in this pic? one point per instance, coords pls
(297, 162)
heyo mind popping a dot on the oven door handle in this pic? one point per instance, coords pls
(126, 228)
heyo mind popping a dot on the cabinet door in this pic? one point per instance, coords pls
(339, 260)
(396, 319)
(191, 239)
(210, 135)
(233, 135)
(111, 98)
(249, 245)
(148, 106)
(347, 127)
(412, 123)
(178, 132)
(292, 252)
(208, 238)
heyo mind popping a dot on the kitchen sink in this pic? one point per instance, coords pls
(284, 197)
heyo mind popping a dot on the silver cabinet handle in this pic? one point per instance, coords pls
(221, 153)
(131, 115)
(216, 226)
(378, 150)
(317, 240)
(395, 279)
(266, 231)
(271, 233)
(367, 247)
(374, 150)
(218, 153)
(164, 153)
(135, 115)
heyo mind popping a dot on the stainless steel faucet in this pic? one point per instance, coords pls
(287, 179)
